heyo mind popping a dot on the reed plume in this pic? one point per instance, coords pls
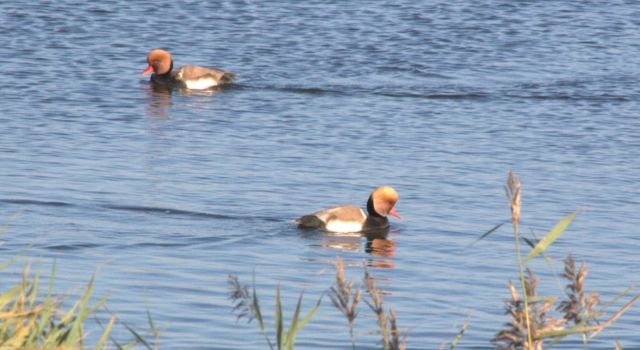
(579, 306)
(386, 324)
(343, 299)
(514, 194)
(396, 343)
(243, 303)
(516, 334)
(578, 313)
(247, 305)
(376, 305)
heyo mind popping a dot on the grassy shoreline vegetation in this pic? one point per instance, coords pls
(30, 319)
(535, 322)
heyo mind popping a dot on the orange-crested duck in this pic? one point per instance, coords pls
(350, 218)
(188, 76)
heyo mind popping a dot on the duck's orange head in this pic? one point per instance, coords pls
(382, 200)
(159, 61)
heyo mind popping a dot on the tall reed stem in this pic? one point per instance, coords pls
(514, 192)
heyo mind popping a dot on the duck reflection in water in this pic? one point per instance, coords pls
(159, 98)
(158, 101)
(375, 243)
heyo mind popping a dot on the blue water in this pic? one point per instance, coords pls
(164, 195)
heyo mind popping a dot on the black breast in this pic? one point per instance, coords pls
(376, 222)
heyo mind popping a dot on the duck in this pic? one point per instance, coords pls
(191, 77)
(351, 218)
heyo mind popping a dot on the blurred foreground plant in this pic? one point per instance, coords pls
(531, 324)
(579, 313)
(29, 323)
(341, 294)
(387, 324)
(247, 305)
(345, 297)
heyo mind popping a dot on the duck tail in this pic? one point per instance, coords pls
(309, 221)
(227, 77)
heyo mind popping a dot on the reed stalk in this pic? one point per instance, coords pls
(457, 338)
(376, 306)
(387, 323)
(514, 194)
(344, 300)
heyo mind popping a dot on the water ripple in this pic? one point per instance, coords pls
(187, 213)
(35, 202)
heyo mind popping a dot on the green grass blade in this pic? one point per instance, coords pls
(152, 326)
(484, 235)
(69, 317)
(309, 315)
(459, 335)
(551, 236)
(105, 335)
(48, 313)
(139, 338)
(279, 321)
(547, 260)
(126, 346)
(74, 337)
(563, 332)
(258, 313)
(297, 325)
(8, 296)
(33, 292)
(256, 306)
(20, 334)
(293, 326)
(53, 337)
(46, 317)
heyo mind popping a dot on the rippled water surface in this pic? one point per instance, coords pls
(164, 195)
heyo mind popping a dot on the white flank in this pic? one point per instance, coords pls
(343, 226)
(200, 84)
